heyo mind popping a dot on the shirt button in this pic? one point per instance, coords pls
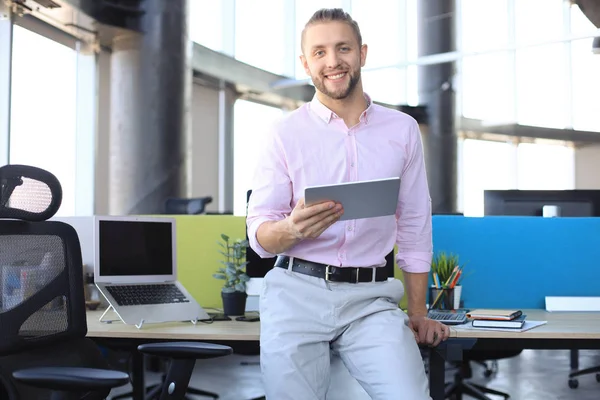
(352, 164)
(349, 228)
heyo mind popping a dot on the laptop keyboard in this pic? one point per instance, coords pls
(134, 295)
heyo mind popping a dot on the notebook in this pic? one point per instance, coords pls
(516, 323)
(492, 314)
(135, 269)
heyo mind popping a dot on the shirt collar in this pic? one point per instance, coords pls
(326, 114)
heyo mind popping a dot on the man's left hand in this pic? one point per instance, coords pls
(428, 331)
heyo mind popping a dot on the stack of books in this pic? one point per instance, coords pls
(484, 318)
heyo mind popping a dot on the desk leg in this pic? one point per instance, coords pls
(574, 359)
(437, 375)
(137, 375)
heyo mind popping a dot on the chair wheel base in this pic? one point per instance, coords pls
(573, 383)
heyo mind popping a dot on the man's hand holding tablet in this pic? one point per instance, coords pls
(311, 221)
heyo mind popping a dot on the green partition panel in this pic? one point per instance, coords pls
(198, 257)
(197, 253)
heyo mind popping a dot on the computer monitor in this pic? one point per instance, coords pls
(258, 267)
(570, 203)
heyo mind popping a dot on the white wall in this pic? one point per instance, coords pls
(205, 144)
(587, 167)
(101, 190)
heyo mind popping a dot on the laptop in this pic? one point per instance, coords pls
(135, 268)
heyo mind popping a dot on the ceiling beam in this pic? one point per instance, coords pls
(246, 78)
(537, 132)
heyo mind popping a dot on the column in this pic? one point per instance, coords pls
(227, 98)
(150, 111)
(6, 39)
(436, 35)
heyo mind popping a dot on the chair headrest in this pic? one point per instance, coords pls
(28, 193)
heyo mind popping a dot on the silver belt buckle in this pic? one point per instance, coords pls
(328, 272)
(357, 272)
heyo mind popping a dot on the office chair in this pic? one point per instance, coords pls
(461, 385)
(187, 206)
(43, 349)
(154, 391)
(42, 313)
(574, 383)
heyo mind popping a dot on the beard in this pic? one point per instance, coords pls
(339, 93)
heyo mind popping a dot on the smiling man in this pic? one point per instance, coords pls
(329, 292)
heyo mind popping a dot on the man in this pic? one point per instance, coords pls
(311, 304)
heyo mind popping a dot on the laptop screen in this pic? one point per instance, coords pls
(135, 248)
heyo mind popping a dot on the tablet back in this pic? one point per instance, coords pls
(362, 199)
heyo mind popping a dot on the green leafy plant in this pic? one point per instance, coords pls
(443, 265)
(233, 271)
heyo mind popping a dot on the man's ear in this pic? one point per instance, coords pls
(304, 64)
(363, 54)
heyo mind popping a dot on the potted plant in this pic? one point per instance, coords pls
(446, 273)
(234, 274)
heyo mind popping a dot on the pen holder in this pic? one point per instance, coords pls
(444, 297)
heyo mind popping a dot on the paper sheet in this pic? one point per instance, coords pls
(527, 326)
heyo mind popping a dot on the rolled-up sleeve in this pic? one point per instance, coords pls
(414, 234)
(271, 196)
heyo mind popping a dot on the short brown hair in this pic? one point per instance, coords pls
(328, 15)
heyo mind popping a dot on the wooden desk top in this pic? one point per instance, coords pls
(215, 331)
(560, 325)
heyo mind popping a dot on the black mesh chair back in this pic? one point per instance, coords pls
(42, 298)
(42, 304)
(28, 193)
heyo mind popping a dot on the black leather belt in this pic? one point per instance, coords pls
(332, 273)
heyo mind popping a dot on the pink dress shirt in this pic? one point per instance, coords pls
(313, 146)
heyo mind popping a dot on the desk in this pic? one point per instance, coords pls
(129, 336)
(215, 331)
(564, 330)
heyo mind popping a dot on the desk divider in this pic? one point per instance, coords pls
(514, 262)
(197, 253)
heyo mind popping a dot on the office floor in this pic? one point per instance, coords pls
(534, 375)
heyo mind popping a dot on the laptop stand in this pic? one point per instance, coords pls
(139, 326)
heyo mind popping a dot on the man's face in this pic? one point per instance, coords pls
(333, 58)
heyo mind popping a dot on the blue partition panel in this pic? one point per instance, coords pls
(517, 261)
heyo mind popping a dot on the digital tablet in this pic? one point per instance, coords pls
(362, 199)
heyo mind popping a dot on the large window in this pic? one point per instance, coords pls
(585, 78)
(487, 88)
(538, 21)
(545, 167)
(484, 25)
(251, 122)
(44, 106)
(260, 34)
(206, 20)
(542, 98)
(506, 165)
(485, 165)
(522, 66)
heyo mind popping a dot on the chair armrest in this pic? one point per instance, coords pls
(185, 350)
(71, 379)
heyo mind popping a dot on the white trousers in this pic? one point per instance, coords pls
(304, 319)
